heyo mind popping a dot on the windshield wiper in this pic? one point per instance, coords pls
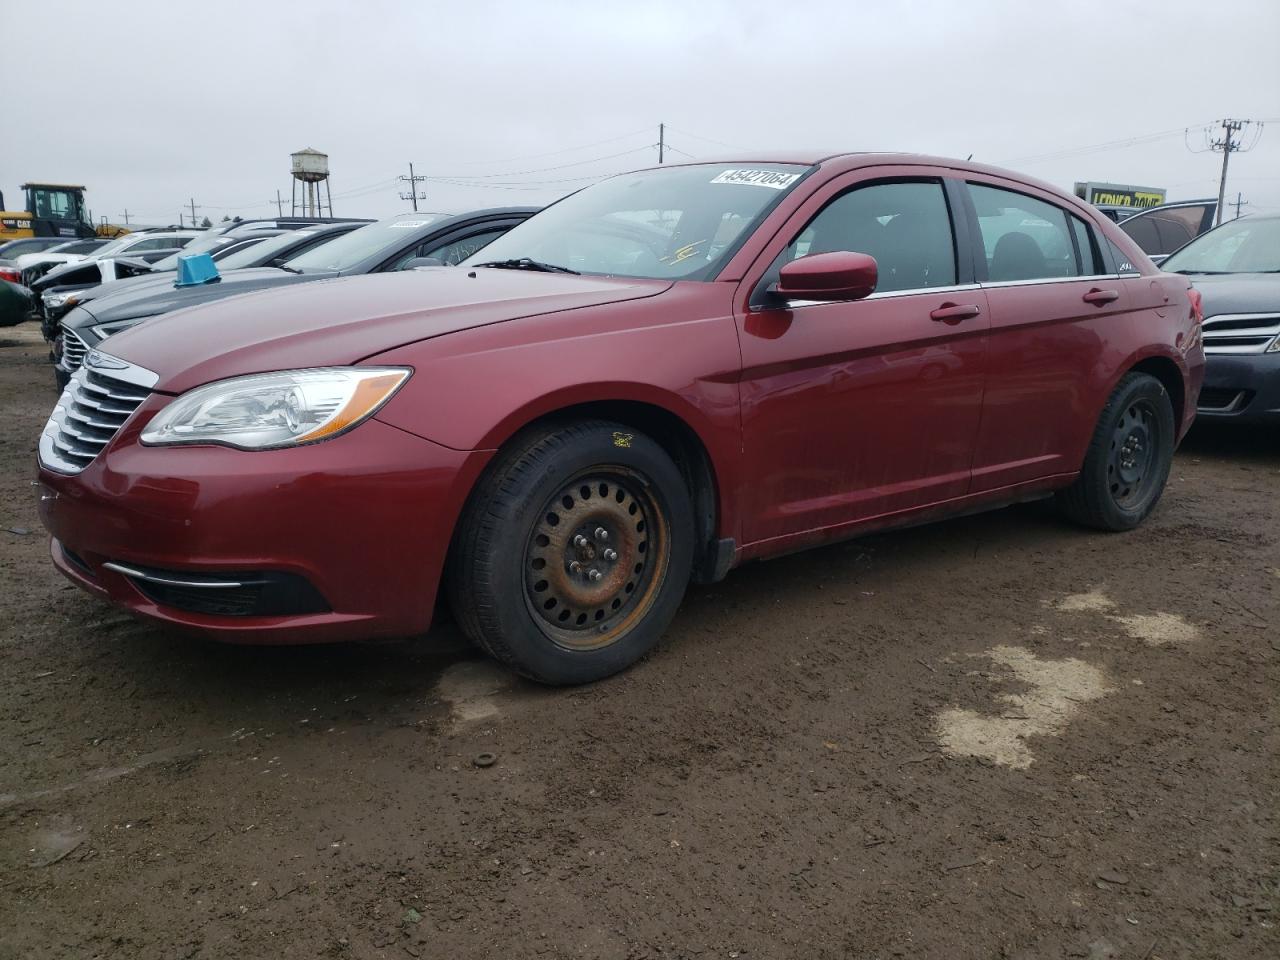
(525, 263)
(281, 266)
(1203, 273)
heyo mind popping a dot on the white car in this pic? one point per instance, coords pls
(103, 265)
(33, 266)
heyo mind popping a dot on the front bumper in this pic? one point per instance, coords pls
(363, 520)
(1241, 387)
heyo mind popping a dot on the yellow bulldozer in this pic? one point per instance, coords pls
(53, 210)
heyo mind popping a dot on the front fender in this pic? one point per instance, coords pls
(475, 389)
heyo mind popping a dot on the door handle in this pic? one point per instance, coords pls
(953, 313)
(1101, 296)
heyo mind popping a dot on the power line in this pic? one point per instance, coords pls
(560, 166)
(719, 143)
(1097, 147)
(552, 153)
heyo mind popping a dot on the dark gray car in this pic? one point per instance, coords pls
(383, 246)
(1236, 268)
(236, 252)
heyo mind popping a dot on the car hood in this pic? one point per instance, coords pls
(1238, 293)
(343, 321)
(157, 280)
(131, 301)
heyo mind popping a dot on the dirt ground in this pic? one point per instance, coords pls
(999, 736)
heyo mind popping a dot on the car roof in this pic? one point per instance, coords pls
(837, 161)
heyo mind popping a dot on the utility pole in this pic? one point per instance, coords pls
(280, 205)
(1228, 145)
(126, 216)
(662, 140)
(193, 211)
(1238, 204)
(413, 194)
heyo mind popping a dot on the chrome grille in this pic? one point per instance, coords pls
(1241, 332)
(101, 396)
(73, 350)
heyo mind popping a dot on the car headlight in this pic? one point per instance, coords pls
(105, 330)
(55, 301)
(272, 410)
(1275, 346)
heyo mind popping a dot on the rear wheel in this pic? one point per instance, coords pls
(1127, 464)
(574, 552)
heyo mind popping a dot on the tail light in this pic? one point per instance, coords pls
(1197, 304)
(11, 274)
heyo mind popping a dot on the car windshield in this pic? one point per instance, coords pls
(385, 236)
(1242, 246)
(205, 243)
(261, 251)
(672, 223)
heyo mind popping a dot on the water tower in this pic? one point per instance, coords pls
(311, 169)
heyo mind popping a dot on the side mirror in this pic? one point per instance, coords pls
(841, 275)
(415, 262)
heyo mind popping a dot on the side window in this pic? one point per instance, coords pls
(154, 243)
(453, 253)
(906, 226)
(1088, 248)
(1173, 233)
(1143, 232)
(1024, 238)
(295, 251)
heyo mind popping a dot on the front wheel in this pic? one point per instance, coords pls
(1127, 464)
(573, 552)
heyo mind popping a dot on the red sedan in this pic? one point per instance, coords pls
(654, 380)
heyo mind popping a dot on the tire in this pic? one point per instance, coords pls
(573, 552)
(1128, 460)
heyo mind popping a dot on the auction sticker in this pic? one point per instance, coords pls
(773, 179)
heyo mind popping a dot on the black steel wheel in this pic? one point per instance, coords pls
(573, 552)
(596, 558)
(1127, 464)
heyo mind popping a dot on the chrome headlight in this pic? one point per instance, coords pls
(272, 410)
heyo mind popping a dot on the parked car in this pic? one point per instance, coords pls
(229, 251)
(16, 303)
(13, 248)
(380, 247)
(1161, 230)
(32, 266)
(663, 376)
(60, 250)
(126, 256)
(1236, 269)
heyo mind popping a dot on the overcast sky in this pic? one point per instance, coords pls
(150, 104)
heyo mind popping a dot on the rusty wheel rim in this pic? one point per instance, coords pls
(596, 559)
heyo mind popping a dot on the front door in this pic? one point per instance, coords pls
(855, 410)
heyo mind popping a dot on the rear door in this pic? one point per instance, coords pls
(1052, 305)
(859, 409)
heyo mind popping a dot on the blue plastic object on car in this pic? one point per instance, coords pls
(195, 269)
